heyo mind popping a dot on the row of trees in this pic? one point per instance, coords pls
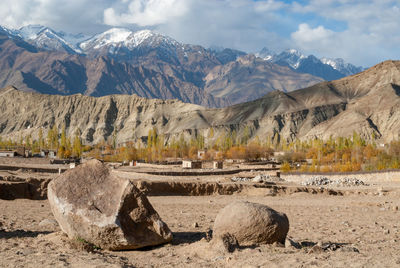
(156, 149)
(57, 140)
(314, 155)
(341, 155)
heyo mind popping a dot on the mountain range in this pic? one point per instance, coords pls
(367, 103)
(328, 69)
(148, 64)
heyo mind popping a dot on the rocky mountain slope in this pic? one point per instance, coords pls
(119, 61)
(368, 103)
(54, 72)
(328, 69)
(249, 78)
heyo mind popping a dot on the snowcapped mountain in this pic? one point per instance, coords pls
(130, 46)
(143, 47)
(342, 66)
(9, 32)
(149, 64)
(113, 40)
(290, 57)
(328, 69)
(30, 32)
(33, 32)
(265, 54)
(46, 38)
(157, 52)
(145, 63)
(117, 38)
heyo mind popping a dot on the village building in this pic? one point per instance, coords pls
(48, 153)
(13, 151)
(218, 165)
(189, 164)
(8, 153)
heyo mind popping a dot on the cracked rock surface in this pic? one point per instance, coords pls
(93, 205)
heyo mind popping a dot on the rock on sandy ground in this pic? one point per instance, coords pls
(98, 207)
(368, 223)
(251, 224)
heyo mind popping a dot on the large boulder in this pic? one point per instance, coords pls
(91, 204)
(251, 224)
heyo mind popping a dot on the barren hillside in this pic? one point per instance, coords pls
(366, 103)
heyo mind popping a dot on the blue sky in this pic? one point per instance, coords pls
(364, 32)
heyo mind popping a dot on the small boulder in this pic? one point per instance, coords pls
(48, 223)
(251, 224)
(91, 204)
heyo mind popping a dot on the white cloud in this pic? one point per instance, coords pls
(240, 24)
(68, 15)
(368, 30)
(306, 35)
(371, 34)
(145, 13)
(269, 5)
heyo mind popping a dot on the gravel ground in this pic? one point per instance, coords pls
(369, 223)
(341, 182)
(357, 229)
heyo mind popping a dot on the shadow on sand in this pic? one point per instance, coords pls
(20, 234)
(187, 237)
(180, 238)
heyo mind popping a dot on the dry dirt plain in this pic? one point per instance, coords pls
(363, 219)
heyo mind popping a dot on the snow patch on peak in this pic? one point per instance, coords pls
(335, 63)
(115, 35)
(30, 32)
(9, 32)
(295, 52)
(292, 57)
(46, 38)
(112, 36)
(268, 58)
(138, 38)
(266, 54)
(342, 66)
(120, 37)
(143, 35)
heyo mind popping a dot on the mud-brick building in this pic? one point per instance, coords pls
(189, 164)
(8, 153)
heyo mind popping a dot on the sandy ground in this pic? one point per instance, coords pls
(31, 238)
(366, 220)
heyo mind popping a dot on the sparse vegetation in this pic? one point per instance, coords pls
(285, 167)
(333, 155)
(81, 244)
